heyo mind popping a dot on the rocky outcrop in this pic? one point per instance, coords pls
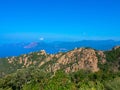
(72, 61)
(101, 57)
(77, 59)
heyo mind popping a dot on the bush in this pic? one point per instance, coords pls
(113, 84)
(61, 81)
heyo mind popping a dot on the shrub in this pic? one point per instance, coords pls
(113, 84)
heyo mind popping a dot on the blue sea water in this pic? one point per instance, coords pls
(16, 49)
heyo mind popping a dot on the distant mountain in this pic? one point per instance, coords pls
(16, 49)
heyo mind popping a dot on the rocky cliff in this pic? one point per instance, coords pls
(72, 61)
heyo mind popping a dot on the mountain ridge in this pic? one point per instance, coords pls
(78, 69)
(71, 61)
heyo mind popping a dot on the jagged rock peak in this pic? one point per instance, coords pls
(43, 52)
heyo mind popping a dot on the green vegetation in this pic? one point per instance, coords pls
(113, 85)
(36, 78)
(113, 55)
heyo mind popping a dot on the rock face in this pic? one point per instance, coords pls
(101, 57)
(77, 59)
(72, 61)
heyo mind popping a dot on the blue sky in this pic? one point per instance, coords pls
(59, 19)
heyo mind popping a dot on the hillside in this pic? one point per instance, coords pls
(76, 67)
(72, 61)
